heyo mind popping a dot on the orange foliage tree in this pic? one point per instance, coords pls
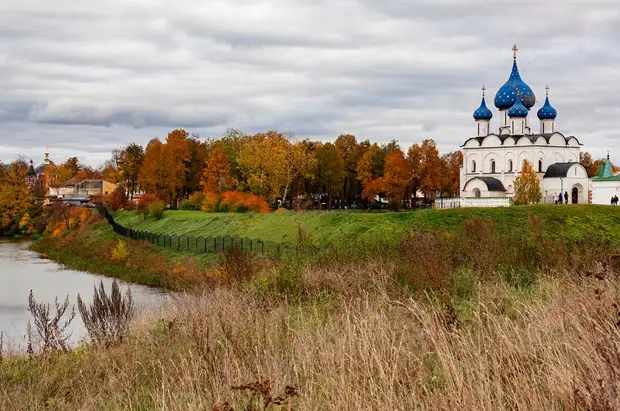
(216, 175)
(396, 178)
(153, 175)
(177, 159)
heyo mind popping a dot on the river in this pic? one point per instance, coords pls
(22, 270)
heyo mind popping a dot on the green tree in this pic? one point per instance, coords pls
(527, 186)
(130, 162)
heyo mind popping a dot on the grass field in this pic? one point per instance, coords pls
(571, 222)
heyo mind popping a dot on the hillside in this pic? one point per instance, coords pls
(573, 222)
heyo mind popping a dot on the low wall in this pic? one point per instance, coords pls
(472, 202)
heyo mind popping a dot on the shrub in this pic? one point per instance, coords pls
(144, 203)
(120, 252)
(107, 318)
(210, 204)
(52, 331)
(236, 265)
(115, 201)
(156, 209)
(194, 202)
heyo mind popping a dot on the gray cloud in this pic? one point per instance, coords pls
(86, 80)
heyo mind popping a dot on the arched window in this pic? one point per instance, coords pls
(492, 166)
(540, 170)
(509, 165)
(473, 166)
(476, 193)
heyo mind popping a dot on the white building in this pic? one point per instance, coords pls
(492, 160)
(605, 185)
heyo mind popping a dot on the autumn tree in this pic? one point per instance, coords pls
(329, 170)
(299, 160)
(350, 152)
(450, 173)
(262, 161)
(368, 172)
(15, 196)
(527, 186)
(587, 161)
(198, 154)
(130, 162)
(396, 178)
(414, 158)
(429, 169)
(216, 176)
(153, 176)
(177, 158)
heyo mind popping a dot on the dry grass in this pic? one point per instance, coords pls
(555, 345)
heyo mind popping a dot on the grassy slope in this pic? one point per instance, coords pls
(574, 222)
(89, 249)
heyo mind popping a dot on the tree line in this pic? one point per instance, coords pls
(285, 171)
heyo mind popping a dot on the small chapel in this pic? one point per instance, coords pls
(492, 160)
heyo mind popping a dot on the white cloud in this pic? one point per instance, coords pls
(86, 80)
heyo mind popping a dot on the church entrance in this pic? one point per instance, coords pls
(575, 195)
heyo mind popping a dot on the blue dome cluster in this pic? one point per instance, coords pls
(547, 112)
(483, 112)
(518, 109)
(507, 94)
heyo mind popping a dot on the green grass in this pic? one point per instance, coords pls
(573, 222)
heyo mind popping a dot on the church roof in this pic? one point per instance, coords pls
(31, 171)
(483, 112)
(518, 109)
(558, 170)
(606, 172)
(492, 183)
(547, 111)
(507, 94)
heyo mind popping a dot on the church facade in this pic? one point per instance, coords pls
(492, 159)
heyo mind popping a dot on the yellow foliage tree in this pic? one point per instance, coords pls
(527, 186)
(263, 162)
(216, 176)
(15, 196)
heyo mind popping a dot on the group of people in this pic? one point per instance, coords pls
(561, 200)
(614, 200)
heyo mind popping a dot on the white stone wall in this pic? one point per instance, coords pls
(602, 191)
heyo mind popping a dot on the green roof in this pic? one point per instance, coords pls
(605, 172)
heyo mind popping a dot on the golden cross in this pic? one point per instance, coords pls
(547, 90)
(514, 51)
(483, 90)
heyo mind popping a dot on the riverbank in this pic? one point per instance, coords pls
(89, 246)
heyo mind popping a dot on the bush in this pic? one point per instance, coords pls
(156, 209)
(234, 202)
(121, 251)
(107, 318)
(144, 203)
(115, 201)
(194, 202)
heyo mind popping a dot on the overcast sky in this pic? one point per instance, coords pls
(86, 80)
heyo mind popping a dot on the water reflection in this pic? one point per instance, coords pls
(22, 270)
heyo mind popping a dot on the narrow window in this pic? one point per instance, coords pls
(473, 166)
(509, 165)
(492, 166)
(540, 166)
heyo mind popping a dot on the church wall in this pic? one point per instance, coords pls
(602, 191)
(517, 153)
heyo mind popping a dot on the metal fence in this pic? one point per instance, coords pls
(199, 244)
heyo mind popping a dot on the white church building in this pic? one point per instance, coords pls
(492, 159)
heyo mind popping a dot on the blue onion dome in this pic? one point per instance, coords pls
(507, 94)
(518, 109)
(547, 112)
(483, 112)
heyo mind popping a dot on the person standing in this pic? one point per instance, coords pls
(566, 197)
